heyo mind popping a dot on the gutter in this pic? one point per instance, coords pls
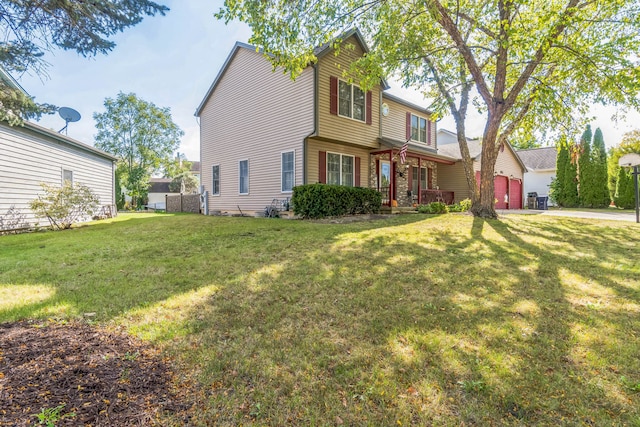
(305, 141)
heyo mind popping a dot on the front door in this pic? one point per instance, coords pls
(384, 181)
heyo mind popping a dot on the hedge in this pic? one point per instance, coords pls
(322, 200)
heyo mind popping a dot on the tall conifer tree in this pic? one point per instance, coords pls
(570, 184)
(601, 196)
(585, 169)
(625, 197)
(558, 192)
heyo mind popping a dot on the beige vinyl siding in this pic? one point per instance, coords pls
(254, 114)
(451, 178)
(394, 126)
(507, 165)
(29, 159)
(337, 127)
(315, 146)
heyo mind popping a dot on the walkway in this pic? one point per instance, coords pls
(626, 215)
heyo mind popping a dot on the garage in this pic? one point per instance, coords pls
(515, 194)
(503, 186)
(500, 189)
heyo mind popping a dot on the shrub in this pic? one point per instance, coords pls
(321, 200)
(463, 206)
(434, 208)
(66, 205)
(13, 221)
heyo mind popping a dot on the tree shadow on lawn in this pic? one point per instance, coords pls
(475, 325)
(109, 269)
(435, 320)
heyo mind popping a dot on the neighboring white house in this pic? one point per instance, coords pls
(541, 169)
(31, 154)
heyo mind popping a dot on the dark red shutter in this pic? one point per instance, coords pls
(369, 111)
(378, 172)
(357, 172)
(333, 100)
(429, 178)
(410, 178)
(408, 125)
(322, 167)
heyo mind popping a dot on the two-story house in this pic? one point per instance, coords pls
(261, 134)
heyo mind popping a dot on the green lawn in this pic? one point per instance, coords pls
(412, 320)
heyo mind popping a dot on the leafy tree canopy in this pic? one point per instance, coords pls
(536, 65)
(141, 134)
(28, 28)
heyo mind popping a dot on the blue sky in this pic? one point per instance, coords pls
(171, 61)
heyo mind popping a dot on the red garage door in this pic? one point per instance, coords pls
(500, 184)
(515, 196)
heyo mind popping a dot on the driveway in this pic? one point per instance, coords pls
(614, 216)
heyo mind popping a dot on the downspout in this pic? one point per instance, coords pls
(305, 141)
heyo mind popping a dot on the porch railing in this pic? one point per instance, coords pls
(386, 197)
(430, 196)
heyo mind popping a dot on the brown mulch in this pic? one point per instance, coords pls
(101, 377)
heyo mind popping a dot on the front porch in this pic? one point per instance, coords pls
(408, 183)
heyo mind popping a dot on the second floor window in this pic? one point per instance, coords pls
(419, 129)
(351, 101)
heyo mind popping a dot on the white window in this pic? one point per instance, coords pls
(67, 175)
(288, 171)
(418, 129)
(351, 101)
(243, 182)
(215, 185)
(340, 169)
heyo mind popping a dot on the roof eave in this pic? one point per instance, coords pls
(69, 141)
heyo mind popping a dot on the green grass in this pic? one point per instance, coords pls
(412, 320)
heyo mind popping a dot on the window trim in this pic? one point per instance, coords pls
(240, 177)
(426, 129)
(293, 182)
(63, 173)
(351, 101)
(353, 166)
(212, 181)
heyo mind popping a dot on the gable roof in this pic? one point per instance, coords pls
(475, 149)
(10, 81)
(318, 52)
(62, 139)
(539, 158)
(453, 150)
(406, 103)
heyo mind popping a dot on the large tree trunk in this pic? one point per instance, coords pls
(484, 207)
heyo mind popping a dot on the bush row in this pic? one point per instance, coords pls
(441, 208)
(322, 200)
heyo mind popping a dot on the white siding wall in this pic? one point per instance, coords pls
(538, 182)
(254, 114)
(28, 158)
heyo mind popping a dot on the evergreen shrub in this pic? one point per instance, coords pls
(322, 200)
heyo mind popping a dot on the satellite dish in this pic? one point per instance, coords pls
(69, 115)
(628, 160)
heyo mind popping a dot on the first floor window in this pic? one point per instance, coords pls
(418, 129)
(423, 178)
(340, 169)
(243, 187)
(67, 175)
(288, 171)
(215, 187)
(418, 176)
